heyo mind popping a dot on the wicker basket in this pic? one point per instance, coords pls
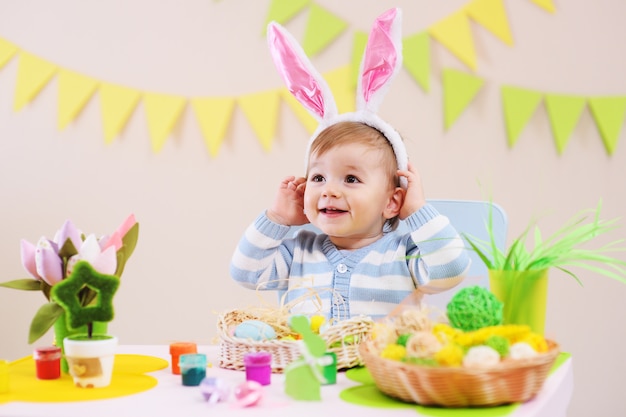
(233, 349)
(512, 381)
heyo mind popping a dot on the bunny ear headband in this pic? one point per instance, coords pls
(381, 61)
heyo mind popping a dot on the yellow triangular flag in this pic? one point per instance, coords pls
(75, 90)
(519, 105)
(454, 33)
(261, 110)
(162, 112)
(609, 113)
(322, 28)
(416, 50)
(358, 48)
(339, 83)
(492, 16)
(459, 90)
(7, 50)
(117, 103)
(564, 112)
(309, 122)
(33, 74)
(545, 4)
(283, 10)
(214, 115)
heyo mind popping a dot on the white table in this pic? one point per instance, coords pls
(171, 398)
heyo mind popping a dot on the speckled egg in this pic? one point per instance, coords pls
(255, 330)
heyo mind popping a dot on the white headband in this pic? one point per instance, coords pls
(381, 61)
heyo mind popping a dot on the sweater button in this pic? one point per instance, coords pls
(341, 268)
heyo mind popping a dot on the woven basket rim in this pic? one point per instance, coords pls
(502, 366)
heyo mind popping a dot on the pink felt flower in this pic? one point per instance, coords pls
(27, 252)
(115, 239)
(103, 261)
(48, 264)
(68, 231)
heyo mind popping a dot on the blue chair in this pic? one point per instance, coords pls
(469, 217)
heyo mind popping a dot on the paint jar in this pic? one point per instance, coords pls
(180, 348)
(258, 367)
(329, 368)
(48, 362)
(4, 376)
(192, 368)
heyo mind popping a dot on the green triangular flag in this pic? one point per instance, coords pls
(459, 90)
(519, 105)
(358, 48)
(283, 10)
(416, 50)
(322, 28)
(608, 113)
(564, 111)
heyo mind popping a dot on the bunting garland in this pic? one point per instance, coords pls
(214, 114)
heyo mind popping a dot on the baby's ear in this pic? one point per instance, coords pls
(394, 205)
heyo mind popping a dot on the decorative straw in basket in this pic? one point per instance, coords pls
(342, 338)
(507, 382)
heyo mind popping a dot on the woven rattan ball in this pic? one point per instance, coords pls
(473, 308)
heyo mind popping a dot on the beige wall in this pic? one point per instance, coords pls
(193, 208)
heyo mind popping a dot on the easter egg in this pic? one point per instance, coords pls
(255, 330)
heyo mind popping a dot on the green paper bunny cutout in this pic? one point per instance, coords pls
(304, 377)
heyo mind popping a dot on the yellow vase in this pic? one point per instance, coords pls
(524, 294)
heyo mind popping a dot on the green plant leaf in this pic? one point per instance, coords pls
(562, 250)
(129, 242)
(25, 284)
(43, 320)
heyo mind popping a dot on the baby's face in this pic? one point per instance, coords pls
(346, 194)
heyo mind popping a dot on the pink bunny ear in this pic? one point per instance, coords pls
(301, 78)
(381, 61)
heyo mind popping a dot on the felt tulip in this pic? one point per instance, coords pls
(68, 231)
(49, 264)
(115, 239)
(42, 261)
(51, 261)
(103, 261)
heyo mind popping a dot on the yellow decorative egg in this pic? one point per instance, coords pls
(394, 352)
(450, 355)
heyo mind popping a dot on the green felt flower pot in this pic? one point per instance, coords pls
(524, 294)
(61, 331)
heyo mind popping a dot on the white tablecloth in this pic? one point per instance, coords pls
(171, 398)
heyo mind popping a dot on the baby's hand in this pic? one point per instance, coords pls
(288, 207)
(414, 198)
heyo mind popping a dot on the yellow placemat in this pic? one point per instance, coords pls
(128, 378)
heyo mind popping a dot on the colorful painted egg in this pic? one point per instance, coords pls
(255, 330)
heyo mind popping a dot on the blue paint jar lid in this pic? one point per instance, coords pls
(192, 360)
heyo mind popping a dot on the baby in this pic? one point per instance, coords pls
(359, 185)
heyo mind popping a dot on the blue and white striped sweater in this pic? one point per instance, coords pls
(369, 281)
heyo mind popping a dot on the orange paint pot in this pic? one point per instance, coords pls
(180, 348)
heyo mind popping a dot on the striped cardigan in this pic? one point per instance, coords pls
(319, 278)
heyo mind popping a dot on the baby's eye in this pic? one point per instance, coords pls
(351, 179)
(317, 178)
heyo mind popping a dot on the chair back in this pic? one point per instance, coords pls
(471, 218)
